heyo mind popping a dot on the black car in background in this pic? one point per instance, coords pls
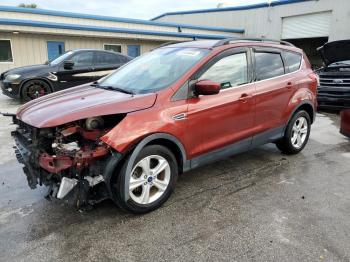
(334, 89)
(73, 68)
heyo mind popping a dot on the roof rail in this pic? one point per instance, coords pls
(170, 43)
(226, 41)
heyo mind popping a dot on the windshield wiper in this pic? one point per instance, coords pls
(113, 88)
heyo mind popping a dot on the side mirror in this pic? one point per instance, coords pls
(68, 65)
(207, 87)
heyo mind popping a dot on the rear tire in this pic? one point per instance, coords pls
(34, 89)
(296, 134)
(152, 180)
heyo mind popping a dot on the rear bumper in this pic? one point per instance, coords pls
(10, 89)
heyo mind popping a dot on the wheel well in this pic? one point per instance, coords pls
(41, 79)
(172, 147)
(309, 109)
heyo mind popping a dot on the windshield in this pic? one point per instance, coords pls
(154, 71)
(60, 58)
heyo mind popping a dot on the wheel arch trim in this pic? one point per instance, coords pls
(299, 106)
(145, 141)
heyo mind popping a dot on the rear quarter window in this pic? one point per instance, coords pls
(292, 61)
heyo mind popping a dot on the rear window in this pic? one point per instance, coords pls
(268, 65)
(292, 61)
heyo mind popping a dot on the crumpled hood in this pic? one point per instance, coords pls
(335, 51)
(79, 103)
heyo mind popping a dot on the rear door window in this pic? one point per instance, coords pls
(292, 61)
(268, 65)
(106, 59)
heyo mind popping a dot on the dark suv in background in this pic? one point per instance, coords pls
(334, 89)
(73, 68)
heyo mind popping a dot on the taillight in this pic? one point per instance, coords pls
(315, 76)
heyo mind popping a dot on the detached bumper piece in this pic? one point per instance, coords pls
(24, 157)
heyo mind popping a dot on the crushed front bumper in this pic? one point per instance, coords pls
(23, 155)
(80, 181)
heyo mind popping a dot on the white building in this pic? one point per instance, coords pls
(306, 23)
(33, 36)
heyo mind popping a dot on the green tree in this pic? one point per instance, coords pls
(28, 6)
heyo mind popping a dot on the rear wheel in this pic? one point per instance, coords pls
(34, 89)
(151, 181)
(296, 134)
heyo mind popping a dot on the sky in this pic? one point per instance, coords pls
(139, 9)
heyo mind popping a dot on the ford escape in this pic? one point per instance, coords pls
(128, 136)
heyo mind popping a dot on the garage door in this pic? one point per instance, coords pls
(306, 26)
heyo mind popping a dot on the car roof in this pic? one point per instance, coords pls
(96, 50)
(211, 44)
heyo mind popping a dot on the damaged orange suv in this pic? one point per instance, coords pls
(128, 136)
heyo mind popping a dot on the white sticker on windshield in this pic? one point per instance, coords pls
(189, 52)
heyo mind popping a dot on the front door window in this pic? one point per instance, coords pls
(230, 71)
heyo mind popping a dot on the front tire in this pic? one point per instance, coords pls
(152, 180)
(296, 134)
(34, 89)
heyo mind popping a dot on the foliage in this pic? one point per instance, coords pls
(28, 6)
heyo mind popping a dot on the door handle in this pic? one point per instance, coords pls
(244, 97)
(289, 85)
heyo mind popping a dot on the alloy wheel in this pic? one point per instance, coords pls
(299, 132)
(36, 90)
(149, 179)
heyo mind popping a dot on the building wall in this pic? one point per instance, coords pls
(30, 29)
(29, 49)
(104, 23)
(267, 22)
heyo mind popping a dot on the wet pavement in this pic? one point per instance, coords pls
(256, 206)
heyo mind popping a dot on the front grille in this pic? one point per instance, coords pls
(335, 79)
(334, 89)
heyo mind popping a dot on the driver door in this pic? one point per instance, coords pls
(80, 73)
(223, 123)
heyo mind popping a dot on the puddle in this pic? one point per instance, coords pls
(325, 131)
(21, 212)
(347, 155)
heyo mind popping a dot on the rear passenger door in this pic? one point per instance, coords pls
(274, 88)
